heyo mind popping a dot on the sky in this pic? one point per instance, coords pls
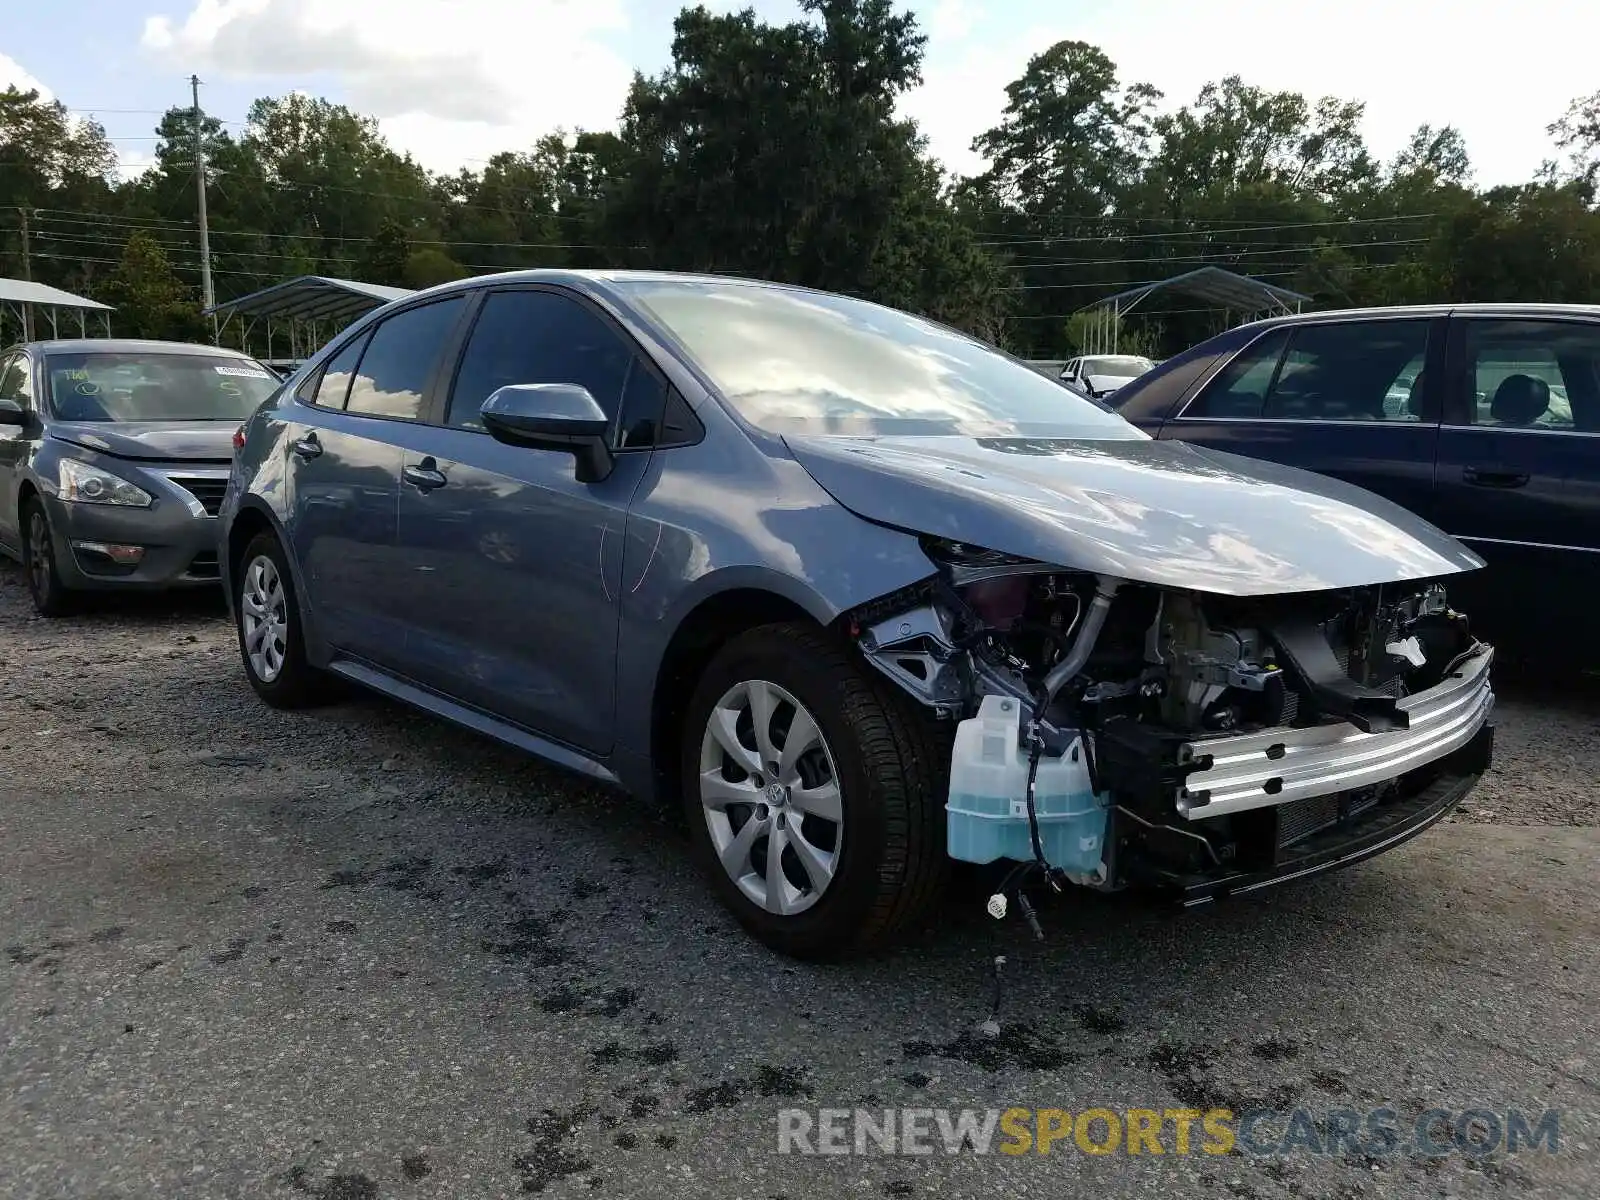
(454, 81)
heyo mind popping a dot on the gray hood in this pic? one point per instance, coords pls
(1157, 512)
(168, 441)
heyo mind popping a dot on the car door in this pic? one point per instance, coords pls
(1518, 472)
(345, 451)
(16, 384)
(518, 564)
(1328, 397)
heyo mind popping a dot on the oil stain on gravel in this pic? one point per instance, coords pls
(336, 1187)
(1016, 1046)
(552, 1157)
(234, 952)
(767, 1082)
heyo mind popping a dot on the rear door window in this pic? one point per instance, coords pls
(1532, 375)
(334, 385)
(400, 360)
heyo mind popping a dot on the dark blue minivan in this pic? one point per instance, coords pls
(1483, 419)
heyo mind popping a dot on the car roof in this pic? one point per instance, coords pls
(127, 346)
(1490, 309)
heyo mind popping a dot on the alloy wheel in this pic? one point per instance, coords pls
(39, 553)
(770, 796)
(264, 618)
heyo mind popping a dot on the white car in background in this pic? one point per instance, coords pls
(1101, 374)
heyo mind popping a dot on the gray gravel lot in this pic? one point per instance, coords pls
(356, 953)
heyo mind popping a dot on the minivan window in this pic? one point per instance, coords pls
(794, 361)
(400, 359)
(538, 337)
(140, 385)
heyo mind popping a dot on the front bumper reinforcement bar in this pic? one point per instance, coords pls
(1275, 766)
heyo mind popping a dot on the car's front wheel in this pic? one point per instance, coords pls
(814, 794)
(270, 637)
(50, 595)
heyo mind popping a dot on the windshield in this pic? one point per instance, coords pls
(792, 361)
(1118, 368)
(142, 386)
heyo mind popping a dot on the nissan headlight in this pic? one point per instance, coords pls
(83, 484)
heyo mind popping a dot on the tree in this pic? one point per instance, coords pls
(1439, 154)
(1072, 137)
(386, 256)
(149, 299)
(1578, 133)
(428, 266)
(774, 151)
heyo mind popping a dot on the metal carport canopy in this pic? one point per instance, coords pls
(25, 295)
(309, 298)
(1214, 286)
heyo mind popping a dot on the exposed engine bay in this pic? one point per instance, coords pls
(1225, 739)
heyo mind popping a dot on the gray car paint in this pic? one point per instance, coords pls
(175, 529)
(1165, 513)
(170, 441)
(544, 616)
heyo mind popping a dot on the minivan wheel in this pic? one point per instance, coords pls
(268, 619)
(814, 794)
(50, 596)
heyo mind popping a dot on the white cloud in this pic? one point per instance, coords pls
(1500, 79)
(449, 80)
(12, 74)
(455, 81)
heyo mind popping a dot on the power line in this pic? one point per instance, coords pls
(90, 219)
(1305, 248)
(1143, 237)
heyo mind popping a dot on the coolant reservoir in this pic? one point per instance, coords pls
(987, 812)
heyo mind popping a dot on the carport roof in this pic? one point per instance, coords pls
(23, 291)
(1215, 286)
(310, 298)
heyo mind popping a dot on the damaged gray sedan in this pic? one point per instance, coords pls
(861, 593)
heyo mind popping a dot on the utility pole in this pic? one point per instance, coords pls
(27, 274)
(207, 296)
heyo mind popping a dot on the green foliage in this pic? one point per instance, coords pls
(426, 267)
(387, 255)
(776, 149)
(149, 299)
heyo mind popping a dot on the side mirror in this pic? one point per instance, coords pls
(11, 413)
(552, 416)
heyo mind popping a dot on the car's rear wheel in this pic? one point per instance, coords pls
(814, 794)
(271, 641)
(50, 596)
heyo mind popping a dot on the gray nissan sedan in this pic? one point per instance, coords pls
(862, 593)
(113, 460)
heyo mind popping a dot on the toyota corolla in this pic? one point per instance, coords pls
(860, 592)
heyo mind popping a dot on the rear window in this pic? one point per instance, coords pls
(136, 386)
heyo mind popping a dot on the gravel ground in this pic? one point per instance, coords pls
(356, 953)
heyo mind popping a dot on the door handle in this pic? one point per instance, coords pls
(1482, 477)
(425, 474)
(308, 447)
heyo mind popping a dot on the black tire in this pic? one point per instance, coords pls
(296, 684)
(892, 772)
(50, 596)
